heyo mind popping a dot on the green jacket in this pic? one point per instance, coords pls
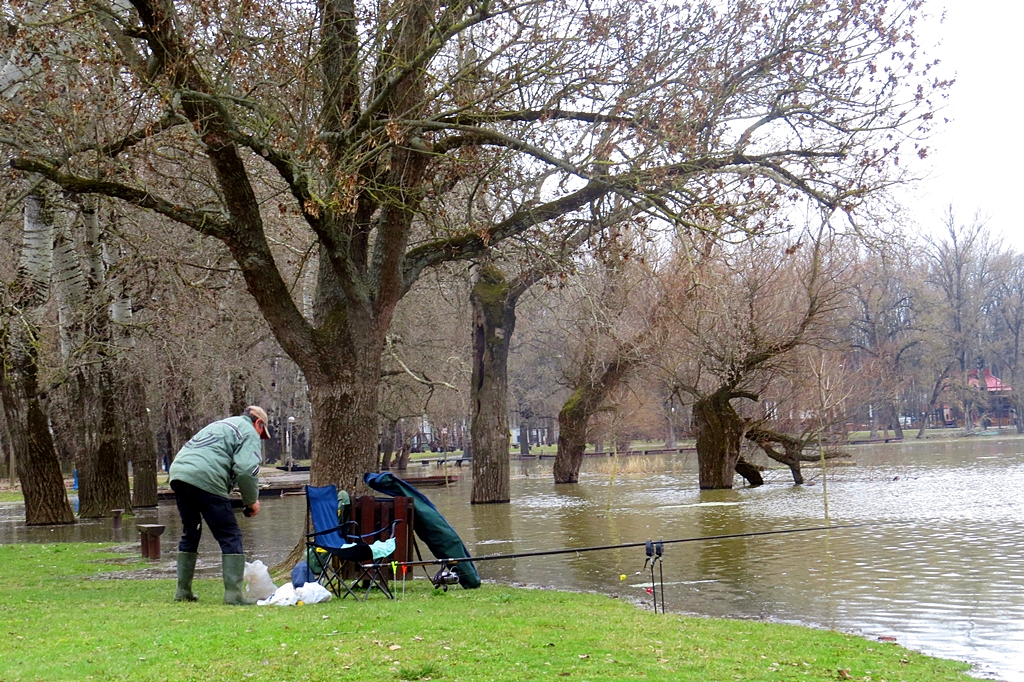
(224, 454)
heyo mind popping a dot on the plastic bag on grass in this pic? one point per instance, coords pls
(284, 596)
(313, 593)
(258, 584)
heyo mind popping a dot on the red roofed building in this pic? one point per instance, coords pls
(996, 408)
(992, 383)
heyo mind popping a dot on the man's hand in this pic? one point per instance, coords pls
(254, 508)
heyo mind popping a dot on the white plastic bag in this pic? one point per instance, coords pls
(313, 593)
(258, 584)
(284, 596)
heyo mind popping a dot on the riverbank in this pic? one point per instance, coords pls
(65, 615)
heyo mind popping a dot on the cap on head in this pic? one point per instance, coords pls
(255, 412)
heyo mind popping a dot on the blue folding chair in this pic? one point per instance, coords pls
(329, 548)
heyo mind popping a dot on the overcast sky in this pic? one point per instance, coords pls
(974, 159)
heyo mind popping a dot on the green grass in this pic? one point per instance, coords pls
(62, 621)
(11, 496)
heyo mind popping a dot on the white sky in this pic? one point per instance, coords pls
(974, 162)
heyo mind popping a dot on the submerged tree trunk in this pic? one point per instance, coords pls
(524, 433)
(46, 500)
(750, 472)
(493, 324)
(793, 449)
(719, 432)
(573, 419)
(583, 403)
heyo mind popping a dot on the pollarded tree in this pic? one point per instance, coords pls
(352, 120)
(748, 313)
(618, 324)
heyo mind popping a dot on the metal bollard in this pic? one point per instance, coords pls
(116, 515)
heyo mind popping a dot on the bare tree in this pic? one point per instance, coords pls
(24, 403)
(959, 268)
(1009, 300)
(93, 368)
(349, 119)
(886, 327)
(750, 310)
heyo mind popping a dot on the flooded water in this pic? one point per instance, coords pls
(942, 571)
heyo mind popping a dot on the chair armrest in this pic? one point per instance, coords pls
(329, 530)
(360, 538)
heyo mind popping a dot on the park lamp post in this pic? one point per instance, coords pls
(288, 443)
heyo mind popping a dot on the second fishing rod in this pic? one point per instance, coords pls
(625, 545)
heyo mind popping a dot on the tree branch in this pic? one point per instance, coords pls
(208, 223)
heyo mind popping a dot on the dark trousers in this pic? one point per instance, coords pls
(196, 505)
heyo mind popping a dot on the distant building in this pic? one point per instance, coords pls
(997, 409)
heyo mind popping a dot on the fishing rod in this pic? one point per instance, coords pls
(551, 552)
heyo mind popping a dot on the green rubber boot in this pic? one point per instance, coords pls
(234, 579)
(186, 568)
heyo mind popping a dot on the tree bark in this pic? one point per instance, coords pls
(524, 435)
(388, 444)
(344, 403)
(572, 437)
(42, 484)
(719, 431)
(937, 387)
(46, 500)
(894, 418)
(493, 324)
(110, 474)
(139, 443)
(750, 472)
(585, 401)
(90, 352)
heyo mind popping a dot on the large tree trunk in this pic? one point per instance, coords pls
(574, 417)
(42, 484)
(139, 443)
(88, 349)
(572, 437)
(493, 324)
(719, 431)
(46, 500)
(894, 419)
(345, 421)
(137, 431)
(110, 489)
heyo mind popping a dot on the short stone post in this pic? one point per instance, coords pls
(150, 535)
(116, 515)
